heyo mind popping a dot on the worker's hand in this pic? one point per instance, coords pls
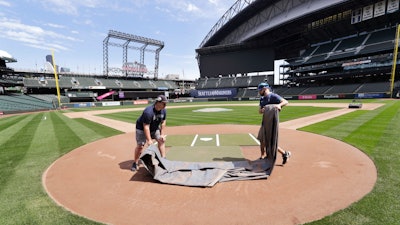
(162, 138)
(149, 142)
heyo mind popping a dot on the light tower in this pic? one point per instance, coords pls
(137, 69)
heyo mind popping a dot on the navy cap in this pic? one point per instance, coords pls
(262, 85)
(161, 98)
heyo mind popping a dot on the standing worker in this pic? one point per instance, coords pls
(267, 97)
(151, 125)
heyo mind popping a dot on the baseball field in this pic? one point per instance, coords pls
(30, 143)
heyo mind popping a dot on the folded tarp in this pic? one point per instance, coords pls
(201, 174)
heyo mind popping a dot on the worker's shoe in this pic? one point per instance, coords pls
(134, 166)
(285, 157)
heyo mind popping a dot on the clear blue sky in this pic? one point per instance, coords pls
(75, 30)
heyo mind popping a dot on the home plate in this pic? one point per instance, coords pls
(206, 139)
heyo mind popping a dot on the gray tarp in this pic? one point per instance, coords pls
(269, 132)
(207, 174)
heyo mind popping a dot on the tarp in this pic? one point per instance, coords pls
(269, 132)
(207, 174)
(201, 174)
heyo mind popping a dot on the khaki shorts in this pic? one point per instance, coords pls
(141, 138)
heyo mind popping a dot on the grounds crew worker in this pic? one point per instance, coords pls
(151, 125)
(267, 97)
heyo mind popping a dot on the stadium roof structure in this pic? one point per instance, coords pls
(252, 34)
(6, 57)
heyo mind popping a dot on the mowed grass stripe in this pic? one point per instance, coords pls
(187, 116)
(129, 117)
(23, 199)
(94, 127)
(67, 138)
(10, 121)
(12, 126)
(15, 146)
(339, 126)
(376, 126)
(73, 133)
(326, 126)
(344, 125)
(41, 152)
(385, 154)
(78, 129)
(378, 136)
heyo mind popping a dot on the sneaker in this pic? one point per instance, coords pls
(286, 157)
(134, 166)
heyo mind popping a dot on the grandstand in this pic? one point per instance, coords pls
(15, 103)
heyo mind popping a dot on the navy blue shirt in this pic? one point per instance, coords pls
(271, 98)
(152, 117)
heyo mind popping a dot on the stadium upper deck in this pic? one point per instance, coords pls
(260, 32)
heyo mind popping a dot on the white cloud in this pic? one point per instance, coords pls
(179, 10)
(184, 10)
(5, 3)
(192, 8)
(90, 20)
(74, 7)
(32, 35)
(60, 6)
(55, 25)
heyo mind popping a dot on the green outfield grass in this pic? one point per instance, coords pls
(237, 115)
(30, 143)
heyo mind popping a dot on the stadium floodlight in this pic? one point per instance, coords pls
(129, 38)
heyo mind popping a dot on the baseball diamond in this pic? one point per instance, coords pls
(110, 193)
(70, 148)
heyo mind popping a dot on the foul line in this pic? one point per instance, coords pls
(194, 140)
(254, 138)
(217, 139)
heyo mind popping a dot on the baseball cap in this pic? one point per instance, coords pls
(262, 85)
(161, 98)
